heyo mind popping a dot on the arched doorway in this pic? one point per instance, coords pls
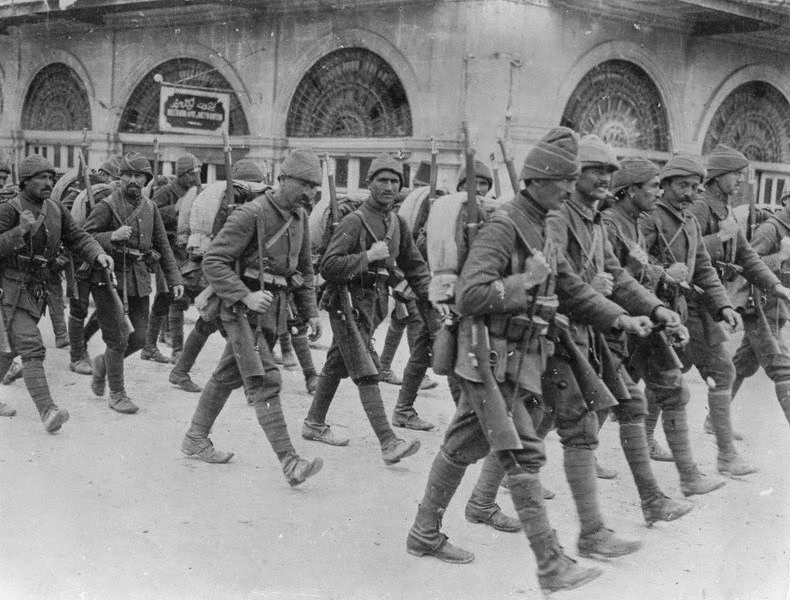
(350, 93)
(141, 116)
(619, 102)
(56, 102)
(755, 119)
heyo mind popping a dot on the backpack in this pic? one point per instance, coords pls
(321, 227)
(81, 208)
(203, 212)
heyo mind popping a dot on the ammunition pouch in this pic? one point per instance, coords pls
(130, 256)
(370, 279)
(402, 292)
(192, 274)
(513, 328)
(271, 282)
(727, 271)
(151, 259)
(36, 265)
(395, 277)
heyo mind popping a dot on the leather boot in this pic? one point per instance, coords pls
(425, 537)
(676, 430)
(655, 505)
(393, 449)
(6, 411)
(36, 383)
(175, 317)
(482, 506)
(81, 367)
(322, 398)
(99, 379)
(54, 418)
(404, 414)
(594, 538)
(297, 470)
(729, 461)
(321, 432)
(202, 448)
(13, 373)
(211, 402)
(121, 403)
(76, 331)
(150, 350)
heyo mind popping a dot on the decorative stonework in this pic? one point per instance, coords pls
(754, 119)
(619, 102)
(350, 92)
(56, 101)
(141, 113)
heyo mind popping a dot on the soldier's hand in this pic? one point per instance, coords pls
(669, 318)
(603, 283)
(732, 318)
(678, 271)
(536, 270)
(123, 233)
(105, 260)
(728, 229)
(259, 301)
(782, 292)
(26, 221)
(680, 337)
(378, 251)
(784, 247)
(315, 329)
(442, 310)
(178, 291)
(640, 326)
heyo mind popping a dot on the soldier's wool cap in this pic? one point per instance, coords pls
(683, 165)
(33, 165)
(302, 164)
(594, 152)
(723, 160)
(186, 164)
(385, 162)
(134, 162)
(247, 170)
(481, 170)
(111, 166)
(423, 175)
(553, 157)
(5, 165)
(633, 171)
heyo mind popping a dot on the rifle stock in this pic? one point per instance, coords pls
(510, 165)
(121, 313)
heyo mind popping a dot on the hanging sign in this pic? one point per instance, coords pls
(191, 110)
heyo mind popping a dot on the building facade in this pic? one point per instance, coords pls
(353, 78)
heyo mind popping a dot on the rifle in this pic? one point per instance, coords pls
(348, 334)
(121, 309)
(434, 169)
(156, 165)
(228, 174)
(14, 175)
(495, 172)
(510, 165)
(5, 343)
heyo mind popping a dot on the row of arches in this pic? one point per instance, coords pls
(353, 92)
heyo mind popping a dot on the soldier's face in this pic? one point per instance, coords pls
(3, 178)
(646, 195)
(482, 186)
(594, 182)
(681, 190)
(132, 184)
(730, 183)
(39, 187)
(384, 188)
(296, 191)
(189, 179)
(551, 194)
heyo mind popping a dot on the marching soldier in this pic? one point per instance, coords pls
(267, 240)
(582, 237)
(369, 248)
(505, 283)
(32, 229)
(636, 188)
(165, 306)
(674, 238)
(731, 252)
(129, 227)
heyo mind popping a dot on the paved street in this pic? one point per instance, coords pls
(110, 508)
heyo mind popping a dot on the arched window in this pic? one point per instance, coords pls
(56, 101)
(141, 113)
(619, 102)
(754, 119)
(350, 92)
